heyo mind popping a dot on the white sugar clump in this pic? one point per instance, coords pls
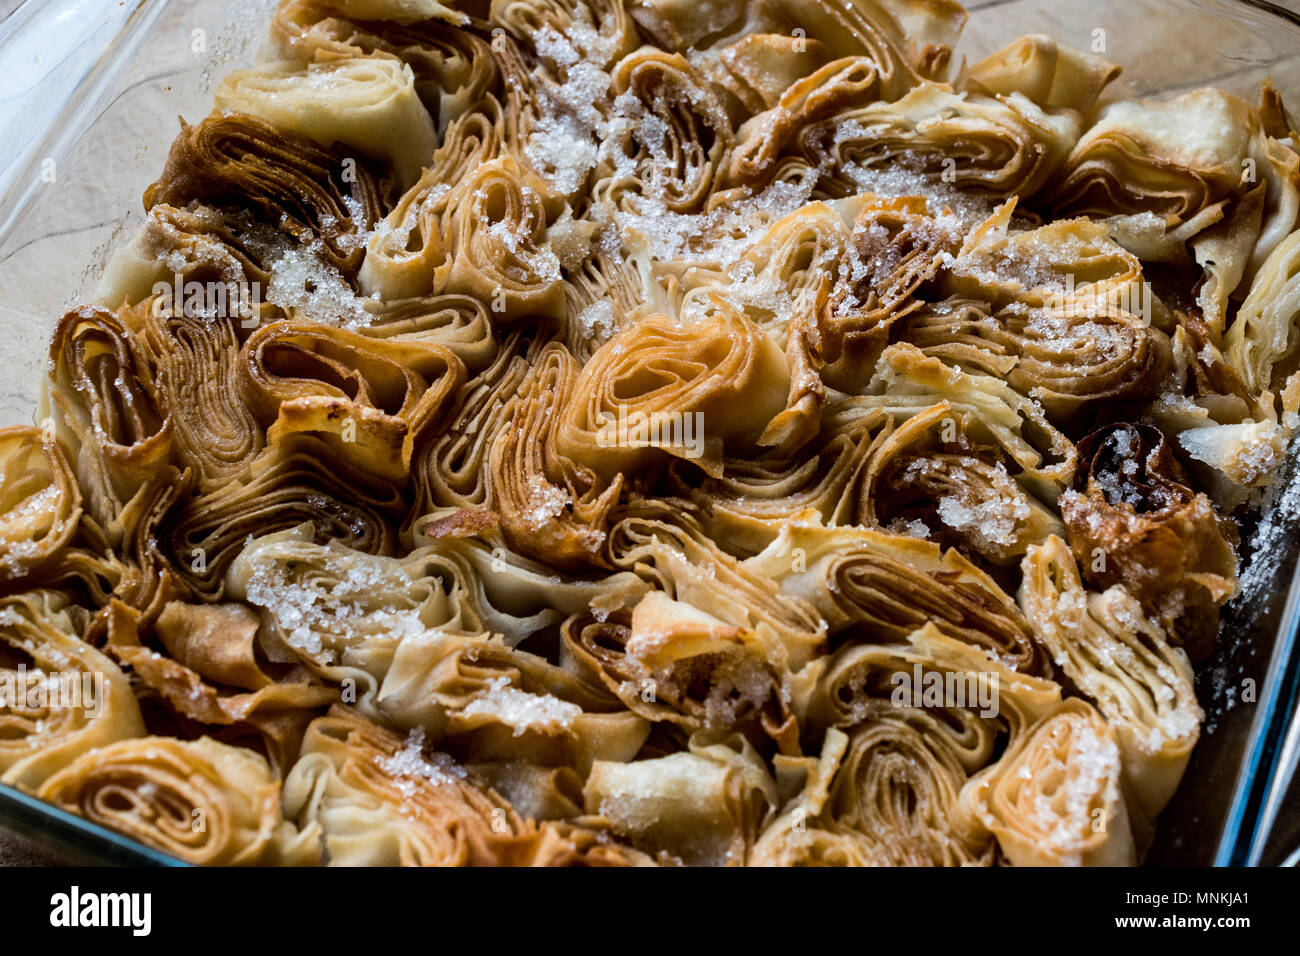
(410, 765)
(565, 144)
(348, 598)
(521, 710)
(302, 281)
(597, 320)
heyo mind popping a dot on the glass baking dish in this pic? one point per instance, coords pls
(91, 90)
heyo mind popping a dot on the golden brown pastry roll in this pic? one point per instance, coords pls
(674, 388)
(920, 481)
(382, 801)
(670, 662)
(452, 66)
(841, 84)
(672, 146)
(298, 480)
(371, 399)
(893, 802)
(704, 806)
(314, 195)
(669, 549)
(1263, 336)
(478, 697)
(178, 252)
(996, 147)
(596, 30)
(882, 585)
(551, 508)
(460, 323)
(205, 662)
(1173, 157)
(986, 409)
(406, 251)
(107, 405)
(368, 104)
(1054, 798)
(406, 11)
(1069, 265)
(1071, 360)
(40, 503)
(1120, 659)
(59, 696)
(894, 248)
(452, 468)
(747, 506)
(940, 684)
(495, 236)
(196, 358)
(1053, 76)
(910, 41)
(334, 606)
(1132, 521)
(202, 801)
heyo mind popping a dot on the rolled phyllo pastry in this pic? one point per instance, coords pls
(176, 248)
(1070, 266)
(205, 662)
(59, 696)
(942, 686)
(672, 388)
(201, 801)
(996, 147)
(950, 491)
(1052, 75)
(910, 42)
(325, 198)
(370, 398)
(482, 699)
(908, 382)
(452, 66)
(1263, 334)
(884, 585)
(704, 806)
(495, 235)
(216, 434)
(40, 503)
(336, 606)
(377, 800)
(298, 480)
(1055, 797)
(748, 505)
(550, 508)
(107, 404)
(894, 248)
(670, 662)
(1071, 360)
(460, 323)
(406, 250)
(672, 552)
(1132, 521)
(842, 84)
(893, 800)
(1173, 157)
(671, 148)
(1122, 660)
(368, 104)
(599, 31)
(405, 11)
(452, 469)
